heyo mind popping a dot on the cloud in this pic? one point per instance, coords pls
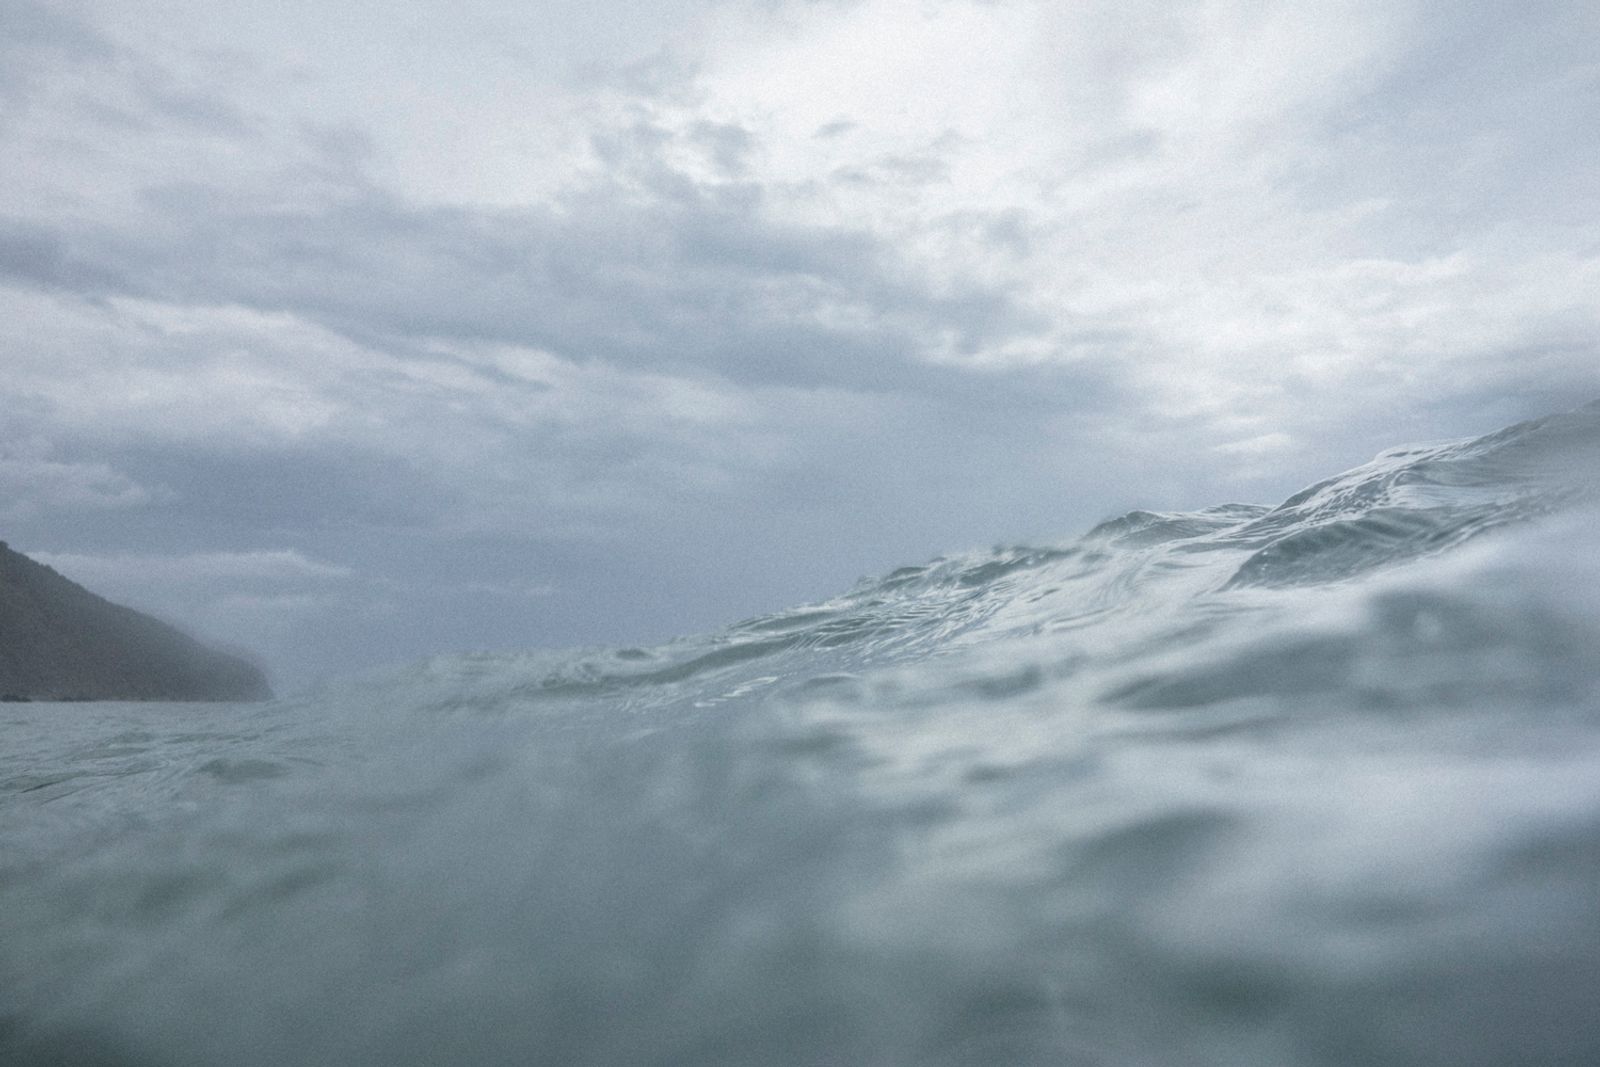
(1025, 186)
(1215, 186)
(260, 567)
(674, 311)
(35, 255)
(33, 37)
(35, 485)
(650, 275)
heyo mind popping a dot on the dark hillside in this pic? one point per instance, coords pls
(58, 641)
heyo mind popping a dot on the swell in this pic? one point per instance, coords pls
(1407, 505)
(1307, 785)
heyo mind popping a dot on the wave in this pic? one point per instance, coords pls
(1309, 784)
(1187, 568)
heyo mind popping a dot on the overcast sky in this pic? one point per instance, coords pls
(354, 332)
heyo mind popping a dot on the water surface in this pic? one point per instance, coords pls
(1310, 784)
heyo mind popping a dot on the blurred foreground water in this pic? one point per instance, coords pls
(1314, 784)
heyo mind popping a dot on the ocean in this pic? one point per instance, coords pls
(1312, 784)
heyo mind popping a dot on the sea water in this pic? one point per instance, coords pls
(1311, 784)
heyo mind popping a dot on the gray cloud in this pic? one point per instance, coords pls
(644, 263)
(33, 485)
(34, 254)
(605, 341)
(689, 279)
(32, 36)
(1486, 125)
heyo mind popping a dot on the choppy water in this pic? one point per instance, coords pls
(1315, 784)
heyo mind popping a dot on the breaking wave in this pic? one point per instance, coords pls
(1312, 784)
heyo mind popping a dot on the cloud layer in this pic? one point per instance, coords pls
(635, 318)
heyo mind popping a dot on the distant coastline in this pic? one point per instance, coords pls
(60, 642)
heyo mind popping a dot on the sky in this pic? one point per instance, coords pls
(350, 334)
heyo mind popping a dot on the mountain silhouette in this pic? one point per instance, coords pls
(59, 641)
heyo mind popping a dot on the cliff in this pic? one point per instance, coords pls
(58, 641)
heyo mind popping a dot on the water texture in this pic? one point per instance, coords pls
(1314, 784)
